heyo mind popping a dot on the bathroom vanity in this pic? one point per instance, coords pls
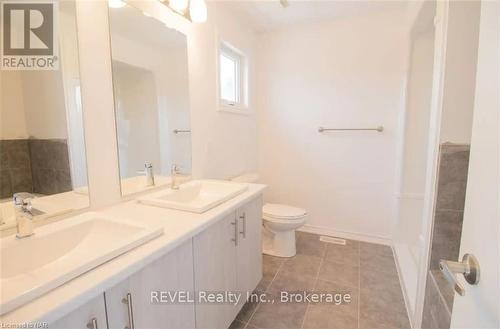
(214, 252)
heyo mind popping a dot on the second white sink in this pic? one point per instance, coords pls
(196, 196)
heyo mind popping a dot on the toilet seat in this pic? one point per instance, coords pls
(280, 212)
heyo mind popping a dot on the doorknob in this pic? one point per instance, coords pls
(469, 267)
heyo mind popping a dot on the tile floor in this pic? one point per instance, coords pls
(365, 271)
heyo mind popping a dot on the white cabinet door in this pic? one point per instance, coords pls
(214, 253)
(142, 292)
(92, 315)
(249, 249)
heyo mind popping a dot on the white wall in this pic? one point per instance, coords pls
(136, 118)
(224, 144)
(460, 71)
(12, 119)
(44, 104)
(33, 105)
(343, 73)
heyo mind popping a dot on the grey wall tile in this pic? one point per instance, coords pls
(444, 290)
(15, 173)
(63, 181)
(15, 153)
(448, 219)
(44, 181)
(440, 312)
(5, 185)
(452, 176)
(20, 179)
(446, 236)
(50, 166)
(34, 165)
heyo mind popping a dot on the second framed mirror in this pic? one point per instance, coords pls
(151, 94)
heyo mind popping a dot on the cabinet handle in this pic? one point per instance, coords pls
(128, 301)
(92, 324)
(235, 239)
(244, 218)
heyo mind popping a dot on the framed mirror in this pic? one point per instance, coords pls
(42, 147)
(151, 94)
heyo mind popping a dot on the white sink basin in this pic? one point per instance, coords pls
(196, 196)
(59, 252)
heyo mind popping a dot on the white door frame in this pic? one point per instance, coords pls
(441, 29)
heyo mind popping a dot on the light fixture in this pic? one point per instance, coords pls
(116, 3)
(284, 3)
(193, 10)
(198, 11)
(179, 5)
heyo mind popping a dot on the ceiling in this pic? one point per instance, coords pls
(269, 15)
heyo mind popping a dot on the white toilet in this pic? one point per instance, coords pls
(280, 222)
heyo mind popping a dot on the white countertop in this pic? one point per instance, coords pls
(178, 227)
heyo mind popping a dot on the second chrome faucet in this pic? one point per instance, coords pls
(175, 170)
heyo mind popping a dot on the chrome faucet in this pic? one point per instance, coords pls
(174, 172)
(148, 172)
(24, 214)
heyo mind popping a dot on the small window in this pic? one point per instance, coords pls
(231, 78)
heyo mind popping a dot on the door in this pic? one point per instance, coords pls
(249, 249)
(91, 315)
(480, 306)
(137, 301)
(214, 253)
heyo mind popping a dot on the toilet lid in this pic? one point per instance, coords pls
(282, 211)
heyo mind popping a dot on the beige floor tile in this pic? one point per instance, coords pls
(237, 325)
(270, 266)
(291, 282)
(330, 315)
(308, 244)
(345, 274)
(301, 264)
(279, 315)
(347, 254)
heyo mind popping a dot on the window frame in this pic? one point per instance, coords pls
(241, 105)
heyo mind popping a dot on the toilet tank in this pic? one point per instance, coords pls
(246, 178)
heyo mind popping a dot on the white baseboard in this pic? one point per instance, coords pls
(346, 235)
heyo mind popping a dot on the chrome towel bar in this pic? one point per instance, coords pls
(176, 131)
(322, 129)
